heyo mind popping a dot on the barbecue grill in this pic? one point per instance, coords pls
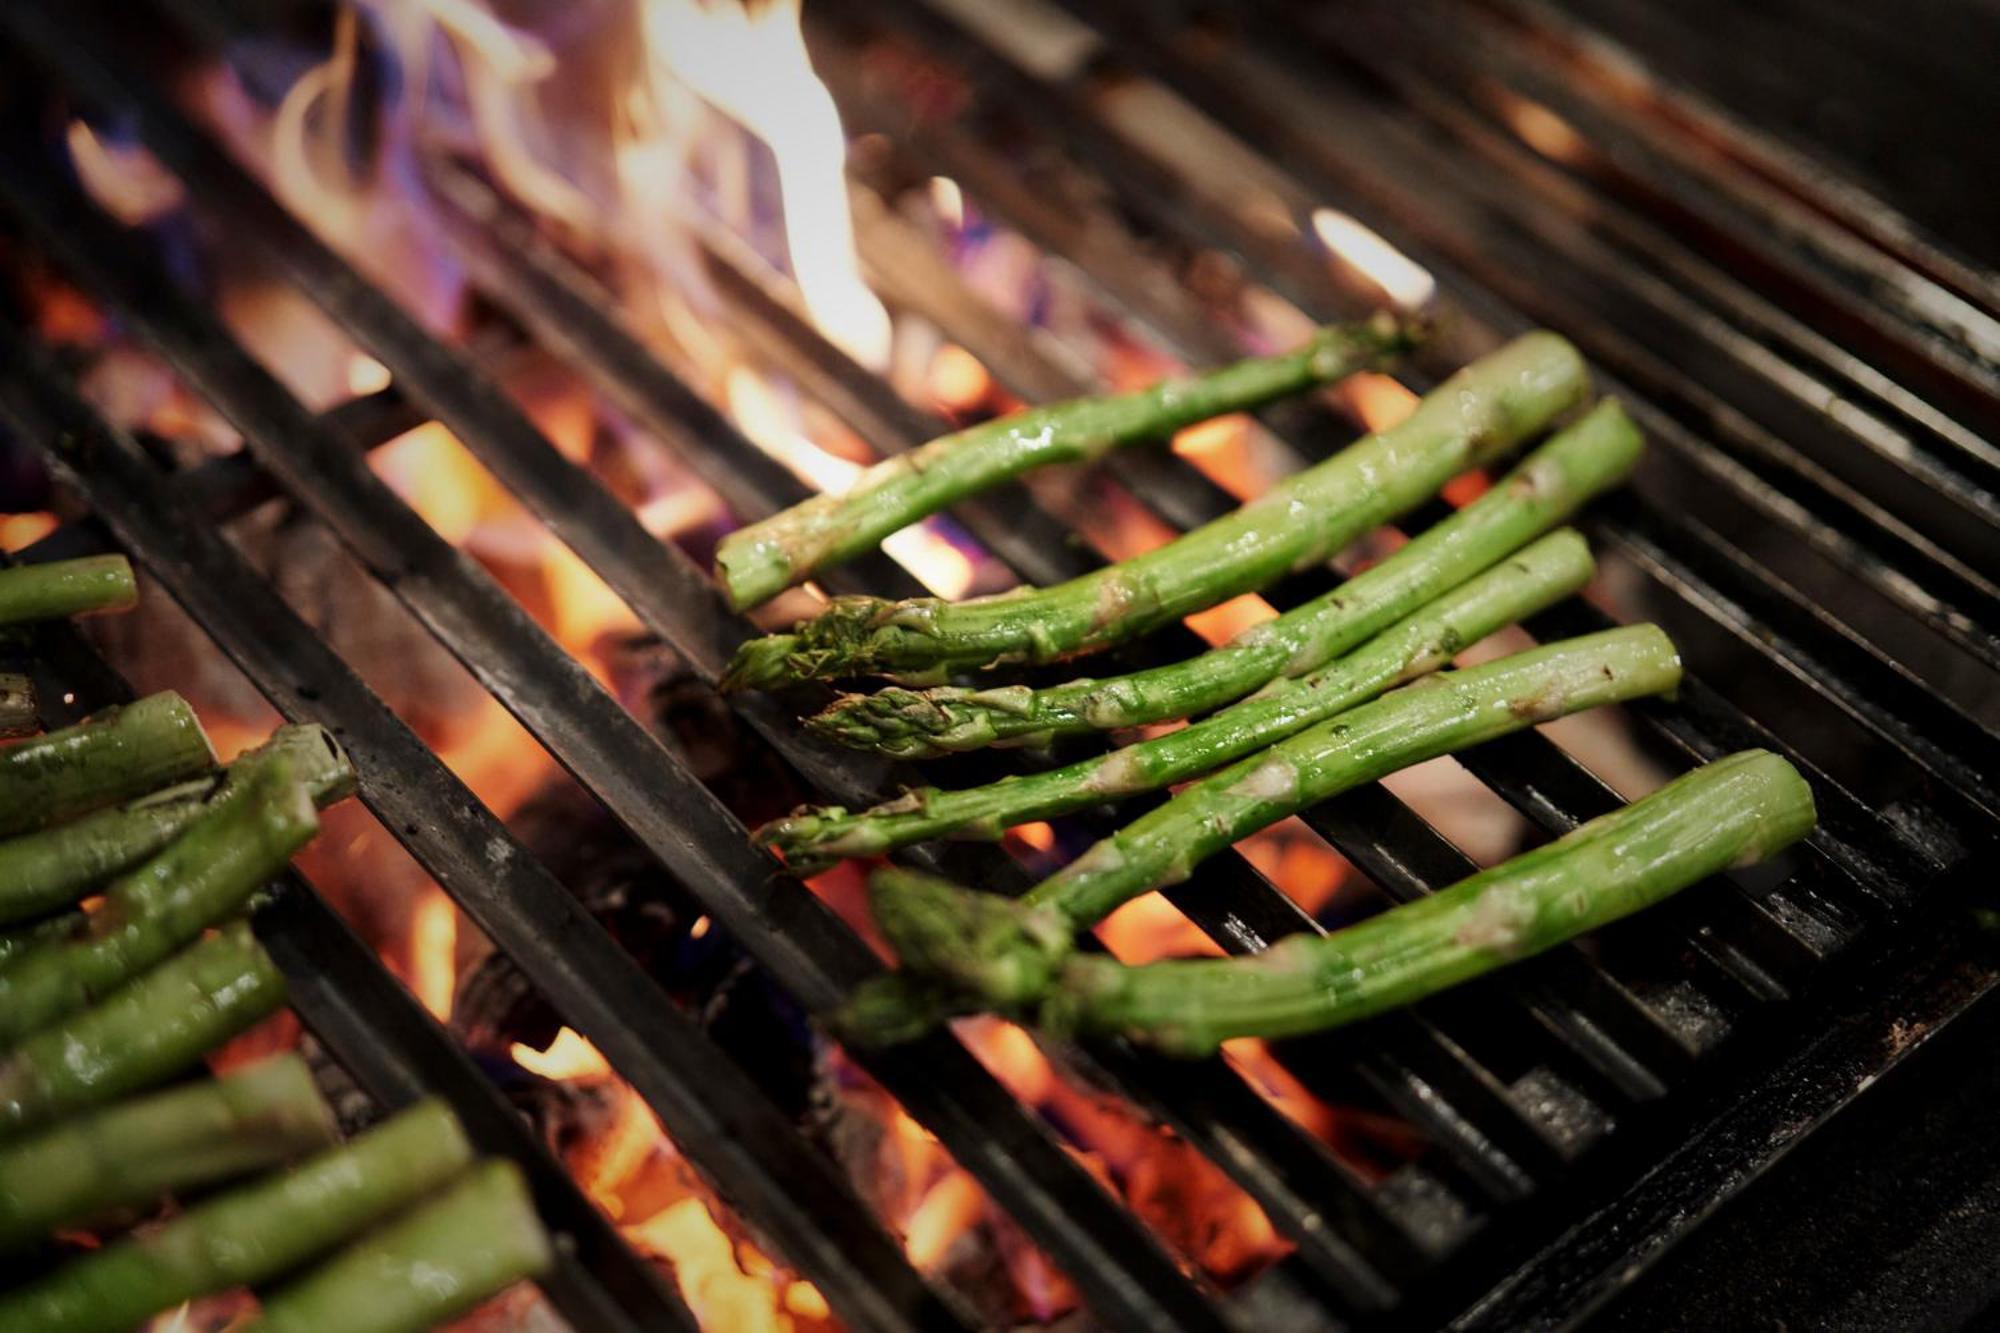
(1815, 526)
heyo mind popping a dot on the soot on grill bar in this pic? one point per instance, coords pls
(1488, 695)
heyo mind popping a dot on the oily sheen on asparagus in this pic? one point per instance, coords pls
(250, 1234)
(205, 875)
(435, 1261)
(83, 586)
(53, 867)
(1477, 415)
(1733, 812)
(757, 562)
(1007, 952)
(110, 756)
(135, 1152)
(1544, 489)
(146, 1031)
(1529, 581)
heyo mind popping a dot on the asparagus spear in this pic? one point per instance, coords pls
(1733, 812)
(204, 875)
(433, 1262)
(1548, 485)
(1007, 951)
(20, 940)
(52, 867)
(17, 705)
(250, 1234)
(133, 1153)
(757, 562)
(1549, 569)
(1474, 417)
(67, 588)
(108, 757)
(146, 1031)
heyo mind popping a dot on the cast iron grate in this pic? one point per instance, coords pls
(1820, 384)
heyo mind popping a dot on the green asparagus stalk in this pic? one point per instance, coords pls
(433, 1262)
(206, 874)
(20, 940)
(250, 1234)
(1543, 573)
(1007, 952)
(53, 867)
(110, 756)
(1546, 488)
(1473, 418)
(133, 1153)
(67, 588)
(17, 706)
(146, 1031)
(1733, 812)
(757, 562)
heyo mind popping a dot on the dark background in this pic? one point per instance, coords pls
(1889, 1217)
(1903, 96)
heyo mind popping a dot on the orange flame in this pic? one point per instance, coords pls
(717, 1290)
(434, 953)
(569, 1056)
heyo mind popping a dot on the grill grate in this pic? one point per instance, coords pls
(1807, 458)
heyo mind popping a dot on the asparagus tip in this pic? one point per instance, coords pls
(1000, 950)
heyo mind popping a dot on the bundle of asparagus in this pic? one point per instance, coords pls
(1006, 953)
(1550, 569)
(757, 562)
(105, 1000)
(1476, 416)
(1548, 486)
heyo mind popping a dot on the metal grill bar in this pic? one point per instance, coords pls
(1732, 182)
(391, 1046)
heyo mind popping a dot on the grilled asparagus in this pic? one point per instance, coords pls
(1550, 569)
(1732, 812)
(757, 562)
(1006, 952)
(1473, 418)
(1548, 485)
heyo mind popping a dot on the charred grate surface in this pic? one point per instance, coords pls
(1822, 396)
